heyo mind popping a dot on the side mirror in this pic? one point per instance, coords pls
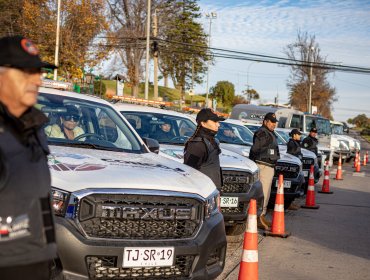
(152, 144)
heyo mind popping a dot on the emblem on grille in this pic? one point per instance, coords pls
(286, 168)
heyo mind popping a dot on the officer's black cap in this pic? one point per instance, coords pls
(20, 52)
(208, 114)
(295, 131)
(270, 117)
(314, 129)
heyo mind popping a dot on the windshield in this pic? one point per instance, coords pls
(337, 129)
(86, 124)
(253, 128)
(322, 125)
(234, 134)
(283, 137)
(166, 129)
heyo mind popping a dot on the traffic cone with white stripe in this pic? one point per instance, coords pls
(364, 160)
(338, 176)
(249, 263)
(310, 197)
(326, 183)
(358, 165)
(367, 157)
(355, 162)
(278, 222)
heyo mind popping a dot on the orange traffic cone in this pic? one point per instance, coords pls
(326, 184)
(338, 176)
(364, 160)
(367, 157)
(278, 223)
(310, 197)
(249, 263)
(358, 166)
(355, 161)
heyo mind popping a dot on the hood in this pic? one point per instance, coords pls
(228, 159)
(351, 140)
(74, 169)
(339, 142)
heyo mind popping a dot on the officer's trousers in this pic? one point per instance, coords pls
(266, 175)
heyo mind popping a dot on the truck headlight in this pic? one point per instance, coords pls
(256, 176)
(59, 201)
(212, 205)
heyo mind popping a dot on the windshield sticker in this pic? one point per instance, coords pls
(119, 162)
(74, 162)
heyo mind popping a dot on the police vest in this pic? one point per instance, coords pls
(26, 221)
(310, 143)
(294, 148)
(211, 166)
(269, 149)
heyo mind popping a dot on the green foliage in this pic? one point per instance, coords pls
(224, 92)
(360, 120)
(100, 88)
(251, 94)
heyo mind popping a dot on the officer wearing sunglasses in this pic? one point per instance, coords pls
(68, 129)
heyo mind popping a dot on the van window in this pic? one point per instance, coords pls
(296, 122)
(282, 122)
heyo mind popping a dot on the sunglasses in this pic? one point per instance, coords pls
(72, 118)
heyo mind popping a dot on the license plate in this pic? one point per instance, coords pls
(305, 173)
(287, 184)
(148, 256)
(227, 201)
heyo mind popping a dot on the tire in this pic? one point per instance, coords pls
(57, 270)
(236, 229)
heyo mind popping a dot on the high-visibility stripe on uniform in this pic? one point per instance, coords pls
(311, 188)
(252, 224)
(250, 256)
(279, 208)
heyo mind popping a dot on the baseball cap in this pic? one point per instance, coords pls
(314, 129)
(20, 52)
(208, 114)
(295, 131)
(270, 117)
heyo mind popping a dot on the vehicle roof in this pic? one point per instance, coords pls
(73, 95)
(335, 122)
(141, 108)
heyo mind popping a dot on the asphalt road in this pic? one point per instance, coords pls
(331, 243)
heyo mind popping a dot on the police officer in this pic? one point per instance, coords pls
(202, 149)
(294, 144)
(265, 152)
(27, 240)
(310, 142)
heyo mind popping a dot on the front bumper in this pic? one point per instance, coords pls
(343, 153)
(289, 193)
(202, 257)
(233, 215)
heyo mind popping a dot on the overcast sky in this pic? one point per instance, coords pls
(342, 30)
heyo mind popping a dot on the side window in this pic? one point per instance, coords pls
(282, 122)
(296, 122)
(185, 129)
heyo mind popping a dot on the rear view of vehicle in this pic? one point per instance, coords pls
(121, 211)
(240, 175)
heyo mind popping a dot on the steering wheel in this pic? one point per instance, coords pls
(89, 135)
(179, 138)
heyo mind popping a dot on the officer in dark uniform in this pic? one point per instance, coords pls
(310, 142)
(27, 239)
(202, 149)
(265, 152)
(294, 144)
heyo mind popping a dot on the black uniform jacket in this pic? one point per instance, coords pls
(310, 143)
(294, 148)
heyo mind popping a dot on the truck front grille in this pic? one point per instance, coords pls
(139, 217)
(288, 170)
(306, 163)
(106, 267)
(236, 181)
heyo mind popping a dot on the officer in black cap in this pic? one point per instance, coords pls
(310, 142)
(27, 240)
(294, 144)
(202, 149)
(265, 152)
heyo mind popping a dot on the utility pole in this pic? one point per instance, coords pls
(155, 55)
(310, 50)
(210, 16)
(146, 93)
(56, 56)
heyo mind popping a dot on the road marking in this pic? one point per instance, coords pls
(361, 174)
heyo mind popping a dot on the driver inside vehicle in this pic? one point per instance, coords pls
(227, 135)
(67, 127)
(164, 132)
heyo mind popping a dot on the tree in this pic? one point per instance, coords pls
(251, 94)
(238, 99)
(183, 51)
(360, 120)
(224, 92)
(323, 95)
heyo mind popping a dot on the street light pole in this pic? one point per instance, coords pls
(209, 16)
(311, 49)
(146, 94)
(248, 78)
(56, 56)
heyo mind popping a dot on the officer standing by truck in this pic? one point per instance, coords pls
(202, 149)
(310, 142)
(294, 144)
(27, 239)
(265, 152)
